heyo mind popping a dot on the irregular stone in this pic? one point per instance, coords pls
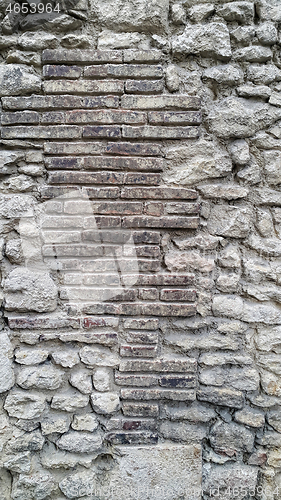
(80, 483)
(101, 379)
(16, 79)
(16, 206)
(34, 487)
(270, 247)
(270, 438)
(240, 152)
(69, 401)
(80, 442)
(8, 41)
(64, 358)
(243, 34)
(263, 293)
(13, 251)
(172, 78)
(85, 423)
(182, 431)
(253, 54)
(9, 160)
(230, 438)
(194, 413)
(132, 16)
(40, 377)
(250, 417)
(7, 378)
(188, 261)
(273, 417)
(271, 383)
(275, 99)
(202, 341)
(273, 458)
(263, 75)
(262, 401)
(243, 379)
(243, 12)
(30, 356)
(196, 162)
(264, 223)
(21, 463)
(18, 57)
(224, 191)
(221, 480)
(178, 14)
(227, 220)
(111, 40)
(22, 404)
(53, 458)
(105, 403)
(81, 380)
(27, 441)
(266, 196)
(269, 10)
(202, 241)
(237, 117)
(52, 22)
(210, 40)
(37, 41)
(251, 91)
(27, 425)
(228, 282)
(269, 338)
(267, 33)
(21, 183)
(270, 362)
(98, 356)
(72, 41)
(230, 257)
(198, 13)
(55, 423)
(221, 396)
(225, 74)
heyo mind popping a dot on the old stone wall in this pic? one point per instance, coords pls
(140, 164)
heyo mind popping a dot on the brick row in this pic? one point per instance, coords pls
(65, 177)
(142, 337)
(95, 148)
(168, 381)
(141, 324)
(130, 424)
(144, 86)
(105, 117)
(142, 351)
(84, 87)
(158, 394)
(141, 309)
(133, 438)
(159, 366)
(100, 56)
(160, 102)
(82, 250)
(140, 71)
(154, 132)
(140, 409)
(101, 266)
(101, 162)
(38, 102)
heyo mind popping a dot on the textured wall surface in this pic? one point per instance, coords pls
(140, 251)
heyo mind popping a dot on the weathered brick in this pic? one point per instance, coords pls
(85, 178)
(182, 208)
(102, 221)
(20, 117)
(222, 396)
(51, 132)
(167, 280)
(134, 149)
(112, 163)
(140, 410)
(154, 208)
(110, 101)
(152, 237)
(148, 132)
(107, 338)
(178, 295)
(144, 86)
(60, 71)
(139, 56)
(169, 309)
(131, 424)
(52, 117)
(62, 222)
(112, 131)
(117, 208)
(56, 191)
(159, 366)
(59, 102)
(142, 337)
(61, 236)
(160, 102)
(81, 56)
(135, 178)
(156, 394)
(134, 438)
(62, 163)
(145, 266)
(124, 71)
(72, 251)
(175, 118)
(165, 222)
(141, 324)
(148, 251)
(163, 193)
(106, 116)
(45, 323)
(136, 380)
(103, 192)
(74, 148)
(83, 87)
(178, 381)
(141, 351)
(148, 294)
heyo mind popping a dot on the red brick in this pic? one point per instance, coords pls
(175, 118)
(148, 179)
(144, 86)
(159, 365)
(113, 163)
(161, 102)
(60, 71)
(124, 71)
(156, 394)
(182, 208)
(129, 148)
(106, 117)
(161, 222)
(139, 56)
(178, 295)
(97, 321)
(178, 381)
(52, 117)
(35, 323)
(163, 193)
(103, 192)
(112, 131)
(117, 208)
(81, 56)
(134, 438)
(85, 178)
(138, 351)
(109, 101)
(148, 132)
(140, 410)
(74, 148)
(19, 117)
(138, 424)
(83, 87)
(51, 132)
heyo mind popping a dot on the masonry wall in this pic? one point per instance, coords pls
(140, 251)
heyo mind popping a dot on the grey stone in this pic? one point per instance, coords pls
(182, 431)
(172, 78)
(202, 241)
(13, 251)
(55, 423)
(262, 401)
(251, 91)
(7, 378)
(250, 417)
(243, 12)
(98, 356)
(221, 396)
(268, 338)
(224, 191)
(210, 40)
(275, 99)
(102, 379)
(222, 480)
(75, 41)
(225, 74)
(21, 463)
(66, 358)
(85, 423)
(228, 282)
(16, 206)
(81, 380)
(218, 358)
(188, 261)
(240, 152)
(16, 79)
(230, 257)
(69, 401)
(266, 196)
(270, 362)
(266, 246)
(80, 442)
(105, 403)
(8, 41)
(53, 458)
(271, 383)
(263, 75)
(23, 404)
(27, 441)
(9, 161)
(30, 356)
(19, 57)
(38, 41)
(243, 379)
(253, 54)
(52, 22)
(269, 10)
(273, 417)
(195, 412)
(243, 34)
(226, 220)
(79, 484)
(111, 40)
(198, 13)
(178, 14)
(270, 438)
(40, 377)
(267, 33)
(37, 486)
(272, 163)
(240, 118)
(230, 438)
(264, 223)
(202, 341)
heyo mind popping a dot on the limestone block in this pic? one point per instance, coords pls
(24, 404)
(227, 220)
(34, 487)
(40, 377)
(16, 79)
(7, 378)
(105, 403)
(80, 442)
(225, 74)
(209, 40)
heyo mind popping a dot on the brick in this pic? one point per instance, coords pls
(152, 237)
(139, 56)
(107, 339)
(72, 251)
(178, 381)
(178, 295)
(20, 117)
(74, 148)
(175, 118)
(154, 208)
(145, 266)
(135, 380)
(131, 424)
(52, 117)
(81, 56)
(101, 279)
(167, 280)
(62, 163)
(85, 178)
(101, 308)
(160, 102)
(159, 366)
(101, 221)
(158, 394)
(142, 337)
(163, 193)
(83, 87)
(141, 351)
(61, 222)
(144, 86)
(161, 222)
(59, 102)
(169, 309)
(51, 132)
(127, 163)
(56, 191)
(148, 132)
(117, 208)
(110, 101)
(112, 131)
(44, 323)
(148, 179)
(148, 251)
(182, 208)
(133, 438)
(148, 294)
(141, 324)
(222, 396)
(103, 192)
(61, 236)
(60, 71)
(140, 410)
(106, 116)
(134, 149)
(124, 71)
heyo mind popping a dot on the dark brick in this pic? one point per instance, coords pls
(142, 337)
(182, 208)
(72, 250)
(52, 117)
(19, 117)
(167, 280)
(74, 148)
(147, 266)
(112, 131)
(45, 323)
(150, 132)
(149, 294)
(140, 56)
(118, 438)
(163, 193)
(136, 380)
(178, 295)
(144, 86)
(161, 102)
(59, 102)
(140, 410)
(59, 71)
(158, 394)
(148, 251)
(124, 71)
(159, 366)
(135, 149)
(152, 237)
(110, 101)
(161, 222)
(127, 295)
(81, 56)
(142, 324)
(117, 208)
(175, 118)
(148, 179)
(138, 351)
(103, 192)
(132, 424)
(102, 221)
(113, 163)
(85, 178)
(56, 191)
(83, 87)
(62, 163)
(106, 116)
(179, 381)
(51, 132)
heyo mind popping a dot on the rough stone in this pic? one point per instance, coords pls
(55, 423)
(226, 74)
(224, 191)
(40, 377)
(69, 401)
(16, 79)
(250, 417)
(9, 161)
(267, 33)
(198, 13)
(188, 261)
(80, 442)
(183, 431)
(242, 12)
(178, 14)
(224, 479)
(81, 380)
(263, 75)
(25, 441)
(105, 404)
(101, 379)
(30, 356)
(269, 10)
(80, 483)
(273, 417)
(23, 404)
(85, 423)
(172, 78)
(7, 378)
(98, 356)
(13, 251)
(253, 54)
(66, 358)
(210, 40)
(21, 463)
(272, 167)
(37, 41)
(230, 438)
(33, 487)
(230, 257)
(254, 91)
(226, 220)
(111, 40)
